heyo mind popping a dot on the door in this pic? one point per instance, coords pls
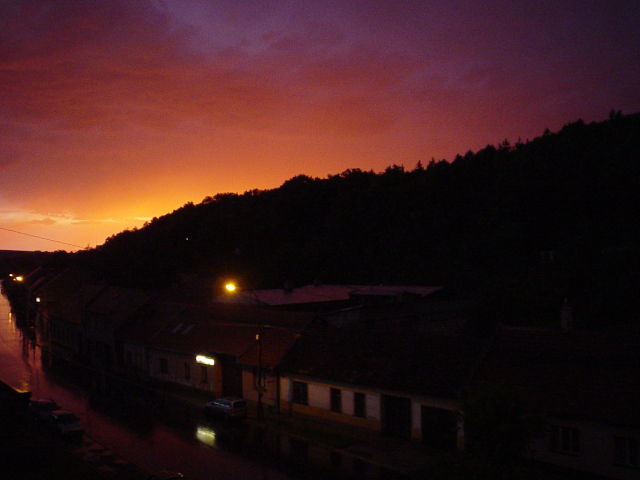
(396, 417)
(439, 428)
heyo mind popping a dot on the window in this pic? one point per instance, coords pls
(336, 400)
(359, 406)
(564, 439)
(627, 450)
(187, 371)
(300, 394)
(164, 365)
(205, 374)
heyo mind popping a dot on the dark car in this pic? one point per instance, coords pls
(65, 423)
(43, 407)
(227, 407)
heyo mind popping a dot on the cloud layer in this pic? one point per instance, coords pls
(112, 112)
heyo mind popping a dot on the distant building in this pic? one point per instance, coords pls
(584, 384)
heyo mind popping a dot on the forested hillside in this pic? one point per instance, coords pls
(521, 225)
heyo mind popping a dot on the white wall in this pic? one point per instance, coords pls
(319, 396)
(175, 370)
(416, 416)
(250, 392)
(347, 402)
(373, 406)
(285, 388)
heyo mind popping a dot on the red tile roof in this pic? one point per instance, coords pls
(312, 294)
(276, 342)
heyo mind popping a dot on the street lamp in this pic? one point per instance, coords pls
(20, 280)
(230, 287)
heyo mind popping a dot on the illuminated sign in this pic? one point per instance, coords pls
(205, 360)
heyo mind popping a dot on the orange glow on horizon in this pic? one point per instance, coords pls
(118, 112)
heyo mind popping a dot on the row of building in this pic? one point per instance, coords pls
(396, 360)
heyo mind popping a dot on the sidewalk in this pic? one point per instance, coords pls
(395, 458)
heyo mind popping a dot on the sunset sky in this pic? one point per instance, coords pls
(113, 112)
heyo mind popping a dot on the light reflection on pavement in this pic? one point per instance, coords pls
(113, 443)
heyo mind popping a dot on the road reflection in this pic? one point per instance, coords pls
(206, 435)
(151, 430)
(127, 426)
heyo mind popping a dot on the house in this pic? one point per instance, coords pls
(278, 332)
(171, 342)
(137, 334)
(211, 348)
(586, 387)
(109, 309)
(33, 283)
(400, 376)
(59, 312)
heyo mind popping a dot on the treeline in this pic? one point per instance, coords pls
(521, 226)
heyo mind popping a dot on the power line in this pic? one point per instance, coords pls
(41, 238)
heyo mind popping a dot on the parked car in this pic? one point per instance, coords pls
(43, 407)
(227, 407)
(65, 423)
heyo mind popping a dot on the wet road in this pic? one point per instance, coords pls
(198, 452)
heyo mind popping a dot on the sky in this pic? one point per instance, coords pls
(113, 112)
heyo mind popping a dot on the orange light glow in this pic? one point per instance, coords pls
(113, 113)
